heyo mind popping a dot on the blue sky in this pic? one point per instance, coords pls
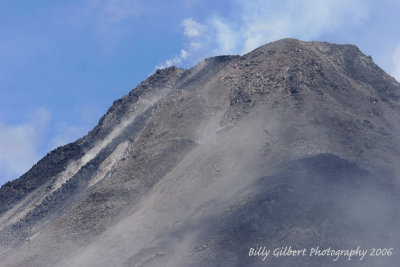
(63, 63)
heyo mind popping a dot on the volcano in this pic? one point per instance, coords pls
(295, 145)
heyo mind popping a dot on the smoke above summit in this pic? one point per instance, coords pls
(251, 24)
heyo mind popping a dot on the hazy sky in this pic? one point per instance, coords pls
(63, 63)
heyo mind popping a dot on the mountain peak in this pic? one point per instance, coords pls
(295, 143)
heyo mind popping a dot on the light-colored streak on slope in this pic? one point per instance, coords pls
(109, 163)
(141, 106)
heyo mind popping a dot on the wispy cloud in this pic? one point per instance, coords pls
(23, 144)
(108, 21)
(396, 63)
(20, 144)
(121, 9)
(67, 134)
(115, 11)
(196, 40)
(254, 23)
(305, 19)
(192, 28)
(175, 61)
(190, 3)
(86, 117)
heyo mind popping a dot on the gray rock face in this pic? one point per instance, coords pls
(293, 144)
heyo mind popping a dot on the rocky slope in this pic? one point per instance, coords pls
(293, 144)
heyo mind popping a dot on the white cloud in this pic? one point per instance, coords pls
(396, 63)
(193, 28)
(22, 145)
(226, 39)
(254, 23)
(19, 144)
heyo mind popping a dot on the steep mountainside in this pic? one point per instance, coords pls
(293, 144)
